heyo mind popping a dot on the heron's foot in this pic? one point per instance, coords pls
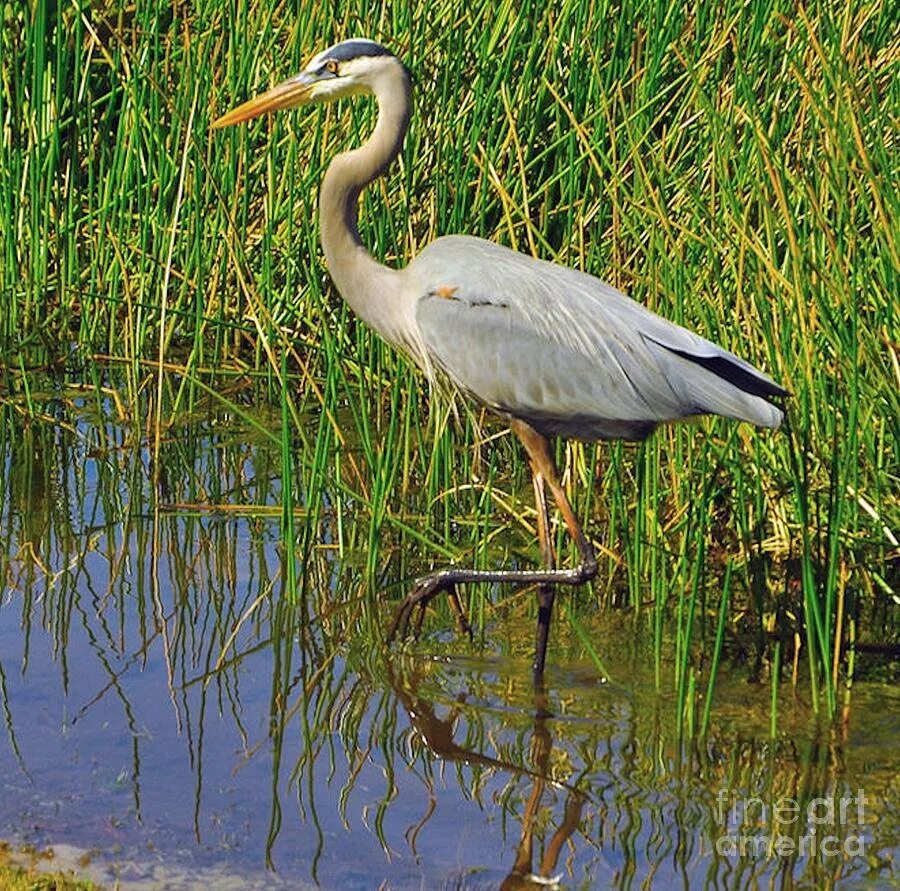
(424, 591)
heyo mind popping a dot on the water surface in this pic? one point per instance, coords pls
(175, 716)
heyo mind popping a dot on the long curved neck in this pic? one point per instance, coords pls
(363, 282)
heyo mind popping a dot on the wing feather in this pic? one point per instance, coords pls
(547, 342)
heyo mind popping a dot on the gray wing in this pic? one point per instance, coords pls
(569, 352)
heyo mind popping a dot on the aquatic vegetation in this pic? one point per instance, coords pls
(733, 169)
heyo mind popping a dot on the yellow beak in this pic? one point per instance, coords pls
(288, 94)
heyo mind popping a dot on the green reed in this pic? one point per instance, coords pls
(733, 170)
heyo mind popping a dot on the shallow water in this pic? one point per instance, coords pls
(172, 719)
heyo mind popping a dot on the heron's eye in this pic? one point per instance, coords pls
(331, 66)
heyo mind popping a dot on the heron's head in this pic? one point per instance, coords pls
(345, 69)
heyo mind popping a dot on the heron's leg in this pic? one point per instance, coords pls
(543, 520)
(546, 594)
(446, 580)
(542, 462)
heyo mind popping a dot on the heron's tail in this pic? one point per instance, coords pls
(714, 381)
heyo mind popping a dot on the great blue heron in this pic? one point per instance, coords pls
(555, 351)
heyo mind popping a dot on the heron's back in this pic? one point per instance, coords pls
(567, 352)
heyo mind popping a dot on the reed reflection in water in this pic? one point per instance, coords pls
(175, 708)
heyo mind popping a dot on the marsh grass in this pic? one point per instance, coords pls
(735, 170)
(32, 870)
